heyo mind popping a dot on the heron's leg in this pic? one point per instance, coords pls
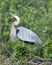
(24, 43)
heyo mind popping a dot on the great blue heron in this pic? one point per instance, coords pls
(23, 33)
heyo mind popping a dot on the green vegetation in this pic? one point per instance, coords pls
(35, 15)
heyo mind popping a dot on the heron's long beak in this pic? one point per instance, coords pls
(15, 16)
(12, 14)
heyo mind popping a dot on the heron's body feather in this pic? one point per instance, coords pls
(27, 35)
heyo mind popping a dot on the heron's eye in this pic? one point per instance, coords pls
(17, 15)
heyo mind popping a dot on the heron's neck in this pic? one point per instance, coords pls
(13, 28)
(18, 22)
(13, 33)
(17, 18)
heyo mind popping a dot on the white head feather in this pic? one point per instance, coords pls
(17, 18)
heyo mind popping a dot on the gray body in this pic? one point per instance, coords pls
(27, 35)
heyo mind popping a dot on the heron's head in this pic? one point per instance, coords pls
(17, 18)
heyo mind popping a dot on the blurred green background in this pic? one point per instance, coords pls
(35, 15)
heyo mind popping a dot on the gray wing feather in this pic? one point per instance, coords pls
(27, 35)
